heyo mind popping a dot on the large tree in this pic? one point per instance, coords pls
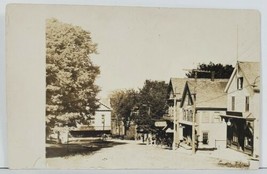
(152, 101)
(123, 103)
(142, 107)
(220, 71)
(70, 74)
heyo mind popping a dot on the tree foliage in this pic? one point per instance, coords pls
(152, 100)
(70, 74)
(122, 103)
(142, 107)
(220, 71)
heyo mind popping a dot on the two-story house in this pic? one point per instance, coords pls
(210, 102)
(175, 91)
(243, 108)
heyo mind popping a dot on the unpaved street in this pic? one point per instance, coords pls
(134, 155)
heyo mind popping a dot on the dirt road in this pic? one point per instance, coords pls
(133, 155)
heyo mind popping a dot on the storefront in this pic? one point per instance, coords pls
(240, 133)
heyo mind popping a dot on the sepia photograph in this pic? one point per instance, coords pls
(153, 88)
(149, 88)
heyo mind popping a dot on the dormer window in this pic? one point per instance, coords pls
(240, 83)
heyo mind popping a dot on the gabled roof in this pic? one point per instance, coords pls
(209, 93)
(177, 85)
(104, 105)
(251, 73)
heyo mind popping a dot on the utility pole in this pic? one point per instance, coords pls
(174, 120)
(194, 115)
(194, 107)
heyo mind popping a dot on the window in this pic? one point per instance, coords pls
(235, 135)
(205, 138)
(235, 139)
(247, 104)
(240, 83)
(248, 141)
(205, 117)
(217, 118)
(190, 115)
(184, 114)
(233, 103)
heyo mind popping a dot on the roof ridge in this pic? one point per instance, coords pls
(248, 62)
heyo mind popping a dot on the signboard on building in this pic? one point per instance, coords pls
(160, 123)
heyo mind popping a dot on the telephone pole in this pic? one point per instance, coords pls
(194, 105)
(174, 120)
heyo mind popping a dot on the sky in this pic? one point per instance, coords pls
(135, 44)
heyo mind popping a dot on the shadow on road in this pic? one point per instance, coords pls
(78, 148)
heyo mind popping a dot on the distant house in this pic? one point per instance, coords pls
(100, 121)
(102, 118)
(243, 108)
(210, 102)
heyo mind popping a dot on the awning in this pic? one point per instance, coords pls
(248, 118)
(169, 130)
(167, 118)
(187, 123)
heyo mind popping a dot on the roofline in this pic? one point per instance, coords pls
(233, 74)
(250, 85)
(231, 79)
(104, 105)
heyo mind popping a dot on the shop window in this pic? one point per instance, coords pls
(248, 142)
(235, 139)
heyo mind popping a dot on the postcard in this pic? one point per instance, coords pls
(106, 87)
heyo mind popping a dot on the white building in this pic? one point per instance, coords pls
(102, 118)
(210, 102)
(243, 108)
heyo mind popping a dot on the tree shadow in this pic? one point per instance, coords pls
(78, 148)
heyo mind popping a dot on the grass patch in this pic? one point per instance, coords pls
(77, 148)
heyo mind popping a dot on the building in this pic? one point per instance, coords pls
(243, 108)
(207, 98)
(101, 120)
(99, 123)
(175, 91)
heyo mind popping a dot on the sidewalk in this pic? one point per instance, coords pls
(225, 157)
(222, 154)
(226, 154)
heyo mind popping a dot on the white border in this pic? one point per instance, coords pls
(260, 5)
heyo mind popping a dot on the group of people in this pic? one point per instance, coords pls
(156, 139)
